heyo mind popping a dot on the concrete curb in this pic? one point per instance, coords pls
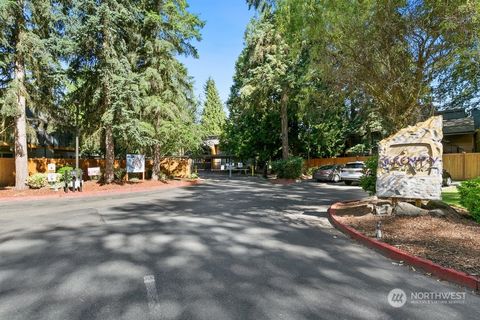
(74, 195)
(392, 252)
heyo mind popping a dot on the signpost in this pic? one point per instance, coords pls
(51, 175)
(94, 171)
(136, 164)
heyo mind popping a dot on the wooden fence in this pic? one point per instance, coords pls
(176, 167)
(461, 166)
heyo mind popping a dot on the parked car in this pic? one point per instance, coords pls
(352, 172)
(447, 178)
(328, 173)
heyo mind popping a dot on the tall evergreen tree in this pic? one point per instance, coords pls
(267, 79)
(168, 122)
(168, 106)
(261, 5)
(101, 66)
(213, 115)
(28, 50)
(119, 45)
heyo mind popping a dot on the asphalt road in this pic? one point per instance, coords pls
(238, 249)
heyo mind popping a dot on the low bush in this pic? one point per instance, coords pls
(368, 181)
(194, 176)
(288, 169)
(61, 171)
(470, 197)
(37, 180)
(67, 170)
(119, 173)
(309, 171)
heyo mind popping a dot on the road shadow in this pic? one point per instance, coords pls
(218, 250)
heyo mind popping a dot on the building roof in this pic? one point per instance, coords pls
(211, 141)
(458, 126)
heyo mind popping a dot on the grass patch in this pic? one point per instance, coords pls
(452, 197)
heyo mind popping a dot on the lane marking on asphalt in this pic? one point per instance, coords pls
(152, 296)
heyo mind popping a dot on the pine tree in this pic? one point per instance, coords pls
(101, 68)
(28, 65)
(168, 106)
(121, 51)
(267, 77)
(213, 116)
(168, 112)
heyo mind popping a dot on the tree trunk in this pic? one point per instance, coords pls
(284, 118)
(21, 153)
(109, 154)
(156, 170)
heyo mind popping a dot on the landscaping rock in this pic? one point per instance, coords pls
(410, 162)
(441, 209)
(437, 213)
(383, 209)
(409, 210)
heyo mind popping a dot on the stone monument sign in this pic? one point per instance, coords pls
(410, 162)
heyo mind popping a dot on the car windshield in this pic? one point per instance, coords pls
(354, 165)
(326, 167)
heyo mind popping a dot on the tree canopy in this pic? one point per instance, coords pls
(107, 68)
(213, 115)
(354, 71)
(314, 79)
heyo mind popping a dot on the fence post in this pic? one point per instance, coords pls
(464, 171)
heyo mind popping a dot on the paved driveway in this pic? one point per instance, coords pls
(238, 249)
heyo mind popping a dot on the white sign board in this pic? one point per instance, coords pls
(52, 177)
(135, 163)
(51, 167)
(410, 162)
(94, 171)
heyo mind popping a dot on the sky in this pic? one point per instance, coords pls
(222, 42)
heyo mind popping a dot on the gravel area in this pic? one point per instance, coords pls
(452, 242)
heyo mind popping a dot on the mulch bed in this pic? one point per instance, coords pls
(92, 188)
(452, 242)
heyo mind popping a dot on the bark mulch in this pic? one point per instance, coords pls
(452, 242)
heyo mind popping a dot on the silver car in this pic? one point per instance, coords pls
(352, 172)
(328, 173)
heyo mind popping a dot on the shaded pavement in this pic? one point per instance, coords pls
(225, 249)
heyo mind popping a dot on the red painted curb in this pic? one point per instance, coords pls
(392, 252)
(72, 195)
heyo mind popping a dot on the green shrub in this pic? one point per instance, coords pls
(358, 149)
(368, 181)
(61, 171)
(162, 176)
(119, 173)
(309, 171)
(288, 169)
(37, 180)
(194, 176)
(470, 197)
(68, 171)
